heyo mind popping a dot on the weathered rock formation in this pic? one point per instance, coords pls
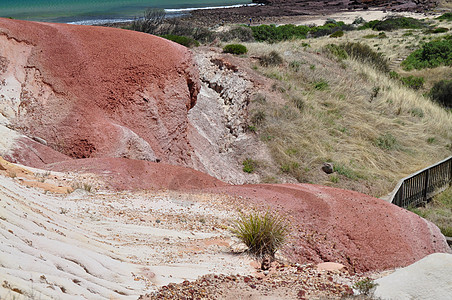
(94, 92)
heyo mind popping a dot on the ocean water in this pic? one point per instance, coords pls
(99, 11)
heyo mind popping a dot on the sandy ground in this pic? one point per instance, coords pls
(108, 245)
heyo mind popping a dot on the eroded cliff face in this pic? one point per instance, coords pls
(80, 91)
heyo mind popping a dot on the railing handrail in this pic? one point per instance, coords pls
(401, 181)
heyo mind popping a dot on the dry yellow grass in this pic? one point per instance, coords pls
(372, 128)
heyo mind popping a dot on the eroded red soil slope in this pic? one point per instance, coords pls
(99, 92)
(359, 231)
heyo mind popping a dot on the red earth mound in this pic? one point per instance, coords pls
(101, 92)
(359, 231)
(130, 174)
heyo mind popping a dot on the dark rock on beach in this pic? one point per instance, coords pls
(270, 10)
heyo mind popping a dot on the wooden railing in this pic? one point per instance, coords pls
(423, 185)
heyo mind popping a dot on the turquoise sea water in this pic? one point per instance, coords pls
(96, 11)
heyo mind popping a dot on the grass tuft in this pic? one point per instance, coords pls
(263, 234)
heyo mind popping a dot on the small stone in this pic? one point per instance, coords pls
(328, 168)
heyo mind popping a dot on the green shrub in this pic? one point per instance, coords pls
(273, 33)
(336, 50)
(441, 92)
(368, 25)
(394, 75)
(387, 142)
(366, 54)
(430, 55)
(271, 59)
(263, 234)
(439, 30)
(235, 49)
(394, 23)
(183, 40)
(365, 286)
(249, 165)
(413, 82)
(337, 34)
(447, 16)
(329, 29)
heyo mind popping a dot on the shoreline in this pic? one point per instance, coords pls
(315, 19)
(170, 13)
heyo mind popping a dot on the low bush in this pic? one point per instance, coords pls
(413, 82)
(447, 16)
(236, 49)
(263, 234)
(337, 34)
(336, 50)
(249, 165)
(365, 286)
(441, 92)
(394, 75)
(366, 54)
(430, 55)
(271, 59)
(273, 33)
(438, 30)
(386, 142)
(183, 40)
(394, 23)
(330, 29)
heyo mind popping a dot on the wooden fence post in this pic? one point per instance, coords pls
(426, 184)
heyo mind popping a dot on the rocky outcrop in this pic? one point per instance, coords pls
(271, 10)
(219, 119)
(95, 92)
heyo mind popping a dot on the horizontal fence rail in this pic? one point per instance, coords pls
(423, 185)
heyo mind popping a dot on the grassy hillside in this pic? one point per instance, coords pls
(372, 127)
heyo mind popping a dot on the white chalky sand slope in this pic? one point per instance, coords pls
(98, 246)
(428, 278)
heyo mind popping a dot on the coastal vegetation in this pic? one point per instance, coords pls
(430, 55)
(348, 102)
(236, 49)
